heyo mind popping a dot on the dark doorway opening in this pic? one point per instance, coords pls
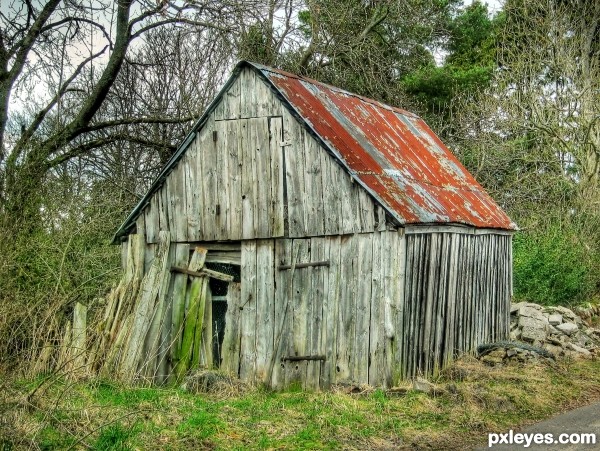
(218, 289)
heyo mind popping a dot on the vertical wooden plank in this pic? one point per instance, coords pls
(247, 94)
(294, 166)
(296, 371)
(326, 317)
(267, 104)
(348, 196)
(313, 186)
(223, 177)
(363, 296)
(177, 184)
(140, 226)
(246, 151)
(451, 335)
(347, 309)
(400, 330)
(209, 182)
(366, 209)
(283, 313)
(201, 143)
(234, 164)
(248, 312)
(150, 217)
(231, 338)
(265, 308)
(377, 301)
(316, 300)
(192, 200)
(331, 313)
(277, 202)
(262, 180)
(332, 211)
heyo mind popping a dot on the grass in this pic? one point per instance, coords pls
(472, 400)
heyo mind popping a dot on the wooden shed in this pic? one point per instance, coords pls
(359, 249)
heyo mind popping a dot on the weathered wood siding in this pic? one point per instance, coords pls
(253, 171)
(349, 312)
(388, 306)
(457, 296)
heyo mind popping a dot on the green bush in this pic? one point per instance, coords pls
(554, 266)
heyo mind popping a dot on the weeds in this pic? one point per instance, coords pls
(472, 400)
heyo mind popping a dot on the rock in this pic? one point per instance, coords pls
(530, 311)
(532, 334)
(579, 350)
(555, 319)
(555, 350)
(527, 321)
(510, 353)
(567, 328)
(423, 385)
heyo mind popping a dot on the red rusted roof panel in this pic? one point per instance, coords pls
(393, 154)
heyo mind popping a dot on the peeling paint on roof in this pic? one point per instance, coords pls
(392, 153)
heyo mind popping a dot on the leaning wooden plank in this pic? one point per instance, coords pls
(230, 350)
(78, 340)
(163, 362)
(197, 295)
(150, 362)
(195, 323)
(206, 352)
(182, 254)
(144, 309)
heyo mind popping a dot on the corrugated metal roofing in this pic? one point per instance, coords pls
(392, 153)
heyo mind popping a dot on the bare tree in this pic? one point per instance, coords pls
(75, 50)
(536, 131)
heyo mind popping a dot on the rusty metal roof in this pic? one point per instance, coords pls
(392, 153)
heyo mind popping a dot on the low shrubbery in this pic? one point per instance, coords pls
(555, 265)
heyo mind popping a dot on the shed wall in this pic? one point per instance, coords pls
(388, 306)
(253, 171)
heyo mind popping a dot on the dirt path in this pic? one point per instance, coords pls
(582, 420)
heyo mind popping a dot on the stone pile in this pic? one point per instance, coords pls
(543, 332)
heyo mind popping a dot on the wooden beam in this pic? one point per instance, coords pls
(303, 265)
(297, 358)
(204, 273)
